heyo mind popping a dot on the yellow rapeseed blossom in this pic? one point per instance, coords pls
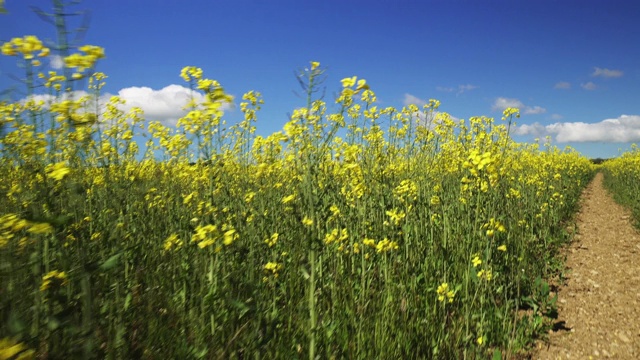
(11, 349)
(485, 274)
(445, 293)
(205, 236)
(396, 216)
(386, 245)
(82, 62)
(272, 268)
(53, 278)
(172, 242)
(57, 171)
(336, 235)
(27, 46)
(229, 236)
(307, 221)
(271, 241)
(40, 228)
(476, 261)
(349, 82)
(289, 198)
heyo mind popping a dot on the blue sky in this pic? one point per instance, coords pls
(573, 67)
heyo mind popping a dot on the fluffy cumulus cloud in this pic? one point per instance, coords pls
(163, 105)
(606, 73)
(589, 86)
(562, 85)
(623, 129)
(502, 103)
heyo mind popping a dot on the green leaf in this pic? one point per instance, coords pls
(497, 355)
(127, 301)
(53, 323)
(111, 262)
(241, 306)
(305, 273)
(16, 326)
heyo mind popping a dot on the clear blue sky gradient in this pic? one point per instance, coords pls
(511, 49)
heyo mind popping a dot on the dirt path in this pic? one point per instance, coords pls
(600, 303)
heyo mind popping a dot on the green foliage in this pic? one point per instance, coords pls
(622, 179)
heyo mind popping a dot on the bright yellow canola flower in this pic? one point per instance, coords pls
(11, 349)
(27, 46)
(445, 293)
(57, 171)
(53, 277)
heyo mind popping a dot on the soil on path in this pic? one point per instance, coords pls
(599, 305)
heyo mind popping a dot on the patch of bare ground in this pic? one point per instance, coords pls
(599, 305)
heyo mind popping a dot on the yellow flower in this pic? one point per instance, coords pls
(314, 65)
(486, 274)
(11, 349)
(362, 84)
(40, 229)
(445, 293)
(172, 242)
(53, 277)
(349, 82)
(369, 242)
(288, 199)
(229, 237)
(396, 216)
(187, 199)
(272, 268)
(502, 247)
(476, 261)
(57, 171)
(272, 240)
(386, 245)
(307, 221)
(480, 340)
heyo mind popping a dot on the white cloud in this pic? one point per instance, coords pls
(606, 73)
(164, 105)
(411, 99)
(556, 117)
(444, 89)
(459, 90)
(56, 62)
(562, 85)
(589, 86)
(528, 110)
(502, 103)
(623, 129)
(467, 87)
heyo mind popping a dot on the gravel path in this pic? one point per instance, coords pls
(600, 302)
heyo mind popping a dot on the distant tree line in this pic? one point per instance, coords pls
(598, 160)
